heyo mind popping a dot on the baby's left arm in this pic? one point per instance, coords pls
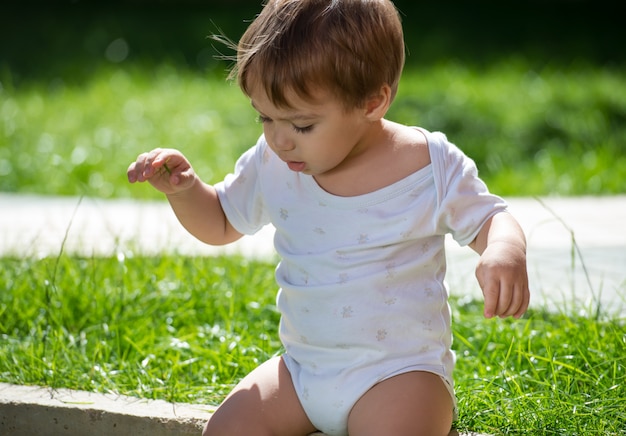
(501, 270)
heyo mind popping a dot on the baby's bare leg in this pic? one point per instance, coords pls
(263, 403)
(414, 403)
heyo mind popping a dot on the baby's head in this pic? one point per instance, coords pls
(348, 48)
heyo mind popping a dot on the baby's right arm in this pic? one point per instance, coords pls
(194, 202)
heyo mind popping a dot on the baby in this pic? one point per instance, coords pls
(361, 206)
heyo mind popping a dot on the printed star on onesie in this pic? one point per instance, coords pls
(347, 312)
(407, 234)
(363, 238)
(391, 270)
(391, 301)
(381, 335)
(284, 214)
(427, 325)
(338, 404)
(417, 192)
(343, 278)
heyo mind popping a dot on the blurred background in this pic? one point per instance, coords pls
(534, 91)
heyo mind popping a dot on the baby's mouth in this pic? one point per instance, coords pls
(296, 166)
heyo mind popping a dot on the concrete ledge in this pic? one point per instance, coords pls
(32, 410)
(28, 411)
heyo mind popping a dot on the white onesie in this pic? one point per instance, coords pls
(362, 295)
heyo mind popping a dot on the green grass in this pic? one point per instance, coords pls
(531, 132)
(182, 329)
(187, 328)
(550, 373)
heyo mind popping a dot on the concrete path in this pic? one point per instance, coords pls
(576, 246)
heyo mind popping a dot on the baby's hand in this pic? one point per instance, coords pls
(165, 169)
(502, 275)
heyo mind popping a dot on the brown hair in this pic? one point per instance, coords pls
(347, 47)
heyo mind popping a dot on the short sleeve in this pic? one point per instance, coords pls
(464, 203)
(240, 193)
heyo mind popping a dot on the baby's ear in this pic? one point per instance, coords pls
(377, 104)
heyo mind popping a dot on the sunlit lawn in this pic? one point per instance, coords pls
(556, 131)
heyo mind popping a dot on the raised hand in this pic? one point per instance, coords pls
(165, 169)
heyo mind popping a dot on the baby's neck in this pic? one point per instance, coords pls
(392, 152)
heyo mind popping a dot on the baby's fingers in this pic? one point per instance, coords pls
(510, 301)
(525, 303)
(147, 165)
(504, 298)
(514, 295)
(137, 170)
(491, 294)
(175, 168)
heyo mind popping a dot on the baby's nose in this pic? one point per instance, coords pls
(282, 141)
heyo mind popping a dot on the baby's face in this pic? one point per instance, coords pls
(314, 136)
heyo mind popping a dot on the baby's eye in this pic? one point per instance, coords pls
(305, 129)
